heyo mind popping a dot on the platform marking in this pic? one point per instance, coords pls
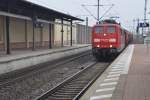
(111, 79)
(117, 67)
(120, 62)
(101, 97)
(127, 58)
(108, 84)
(120, 69)
(120, 66)
(106, 89)
(116, 75)
(115, 72)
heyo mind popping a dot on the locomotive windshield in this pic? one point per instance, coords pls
(111, 29)
(99, 29)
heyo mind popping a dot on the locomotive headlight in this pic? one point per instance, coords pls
(104, 34)
(112, 40)
(110, 46)
(97, 40)
(98, 46)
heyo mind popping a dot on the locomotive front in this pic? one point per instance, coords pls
(106, 40)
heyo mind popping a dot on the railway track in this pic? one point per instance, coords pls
(28, 84)
(14, 76)
(73, 87)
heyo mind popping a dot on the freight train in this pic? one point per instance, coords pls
(109, 39)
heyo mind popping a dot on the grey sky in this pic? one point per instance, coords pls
(127, 10)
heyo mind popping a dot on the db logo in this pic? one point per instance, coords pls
(104, 40)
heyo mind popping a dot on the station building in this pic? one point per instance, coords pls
(25, 25)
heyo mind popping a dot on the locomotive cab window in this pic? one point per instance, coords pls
(99, 29)
(111, 29)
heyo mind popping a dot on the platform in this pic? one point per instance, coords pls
(23, 59)
(127, 78)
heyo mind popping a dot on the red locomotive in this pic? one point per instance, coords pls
(109, 39)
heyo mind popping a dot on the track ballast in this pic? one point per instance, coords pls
(76, 85)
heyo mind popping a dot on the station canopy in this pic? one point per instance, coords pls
(30, 9)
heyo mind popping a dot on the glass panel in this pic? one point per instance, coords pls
(111, 29)
(99, 29)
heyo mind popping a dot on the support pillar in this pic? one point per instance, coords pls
(7, 36)
(41, 37)
(71, 33)
(62, 33)
(26, 35)
(86, 34)
(33, 37)
(98, 8)
(50, 36)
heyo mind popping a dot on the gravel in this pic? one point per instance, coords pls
(34, 84)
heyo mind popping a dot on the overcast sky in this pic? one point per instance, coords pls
(127, 10)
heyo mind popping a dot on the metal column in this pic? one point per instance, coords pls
(7, 36)
(86, 34)
(145, 11)
(41, 37)
(98, 10)
(33, 37)
(50, 36)
(71, 33)
(62, 33)
(26, 34)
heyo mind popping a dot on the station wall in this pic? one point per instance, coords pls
(21, 34)
(83, 34)
(66, 34)
(17, 33)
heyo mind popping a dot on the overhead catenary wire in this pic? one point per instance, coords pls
(98, 5)
(89, 12)
(107, 11)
